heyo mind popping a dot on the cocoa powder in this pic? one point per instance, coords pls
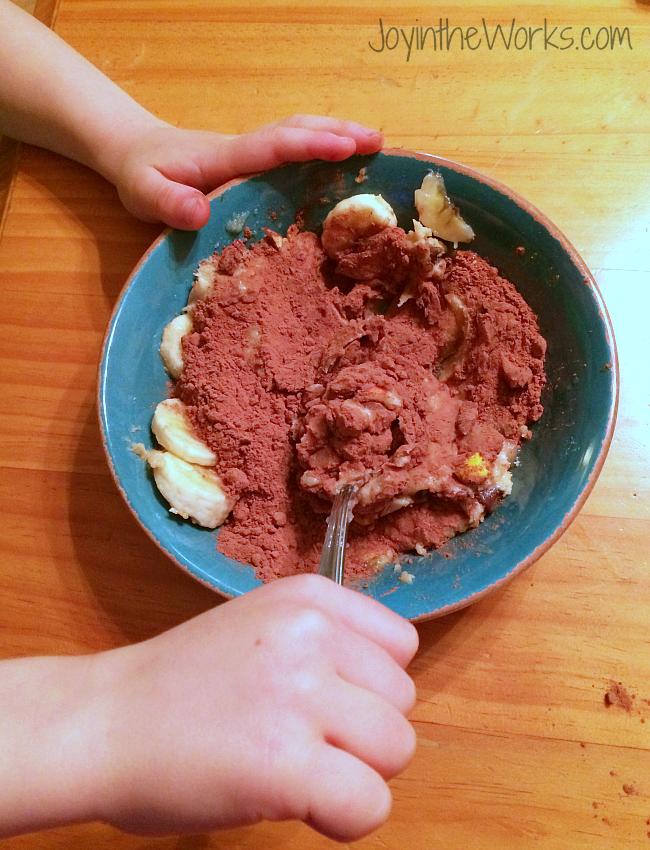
(283, 321)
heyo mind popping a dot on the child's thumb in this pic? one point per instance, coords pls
(156, 198)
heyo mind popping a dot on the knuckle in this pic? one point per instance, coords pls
(412, 640)
(294, 119)
(163, 199)
(399, 751)
(311, 582)
(409, 696)
(308, 626)
(299, 632)
(406, 746)
(307, 586)
(277, 134)
(307, 684)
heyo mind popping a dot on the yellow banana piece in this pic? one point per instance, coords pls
(203, 282)
(173, 431)
(171, 347)
(193, 492)
(437, 212)
(354, 218)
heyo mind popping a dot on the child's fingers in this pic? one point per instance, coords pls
(345, 798)
(277, 144)
(164, 182)
(361, 662)
(363, 615)
(272, 146)
(367, 140)
(368, 727)
(153, 197)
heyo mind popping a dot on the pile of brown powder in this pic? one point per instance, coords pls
(287, 329)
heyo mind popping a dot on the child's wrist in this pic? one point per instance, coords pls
(54, 747)
(111, 145)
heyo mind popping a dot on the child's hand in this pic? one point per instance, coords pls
(287, 703)
(53, 97)
(164, 171)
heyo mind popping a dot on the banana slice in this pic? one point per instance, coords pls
(174, 432)
(438, 213)
(204, 281)
(193, 492)
(420, 233)
(171, 347)
(354, 218)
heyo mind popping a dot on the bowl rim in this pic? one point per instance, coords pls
(576, 259)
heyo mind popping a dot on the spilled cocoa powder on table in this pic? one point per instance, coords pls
(282, 314)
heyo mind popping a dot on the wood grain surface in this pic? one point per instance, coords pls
(517, 747)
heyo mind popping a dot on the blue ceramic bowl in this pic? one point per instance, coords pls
(558, 466)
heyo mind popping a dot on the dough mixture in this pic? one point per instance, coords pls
(369, 356)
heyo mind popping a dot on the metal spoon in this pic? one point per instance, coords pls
(332, 561)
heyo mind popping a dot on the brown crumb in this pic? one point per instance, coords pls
(617, 695)
(339, 183)
(630, 789)
(361, 177)
(520, 251)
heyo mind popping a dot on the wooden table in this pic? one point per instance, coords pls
(517, 748)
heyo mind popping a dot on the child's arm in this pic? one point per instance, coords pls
(53, 97)
(289, 702)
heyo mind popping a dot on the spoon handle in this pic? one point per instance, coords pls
(332, 560)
